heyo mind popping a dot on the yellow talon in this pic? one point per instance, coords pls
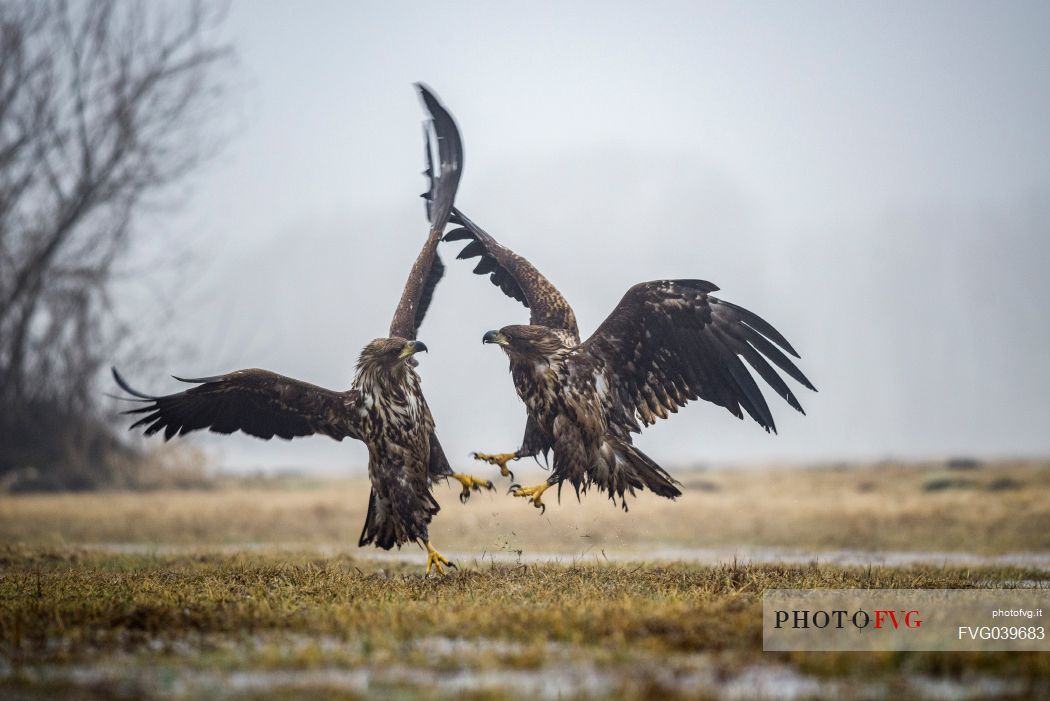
(500, 459)
(532, 493)
(435, 560)
(470, 484)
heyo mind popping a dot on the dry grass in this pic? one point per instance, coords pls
(263, 612)
(273, 614)
(995, 508)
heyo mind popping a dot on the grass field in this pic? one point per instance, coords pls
(249, 592)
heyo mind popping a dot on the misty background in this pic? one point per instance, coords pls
(873, 180)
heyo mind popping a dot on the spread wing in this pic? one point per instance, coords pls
(668, 342)
(440, 196)
(258, 402)
(514, 275)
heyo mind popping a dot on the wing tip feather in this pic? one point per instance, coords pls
(198, 380)
(123, 384)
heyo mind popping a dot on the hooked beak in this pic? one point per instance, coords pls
(495, 337)
(411, 348)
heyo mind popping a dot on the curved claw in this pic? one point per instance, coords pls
(435, 560)
(533, 494)
(498, 459)
(472, 484)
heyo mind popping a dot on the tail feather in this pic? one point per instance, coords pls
(622, 469)
(391, 522)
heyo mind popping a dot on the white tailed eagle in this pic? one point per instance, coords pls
(666, 343)
(384, 407)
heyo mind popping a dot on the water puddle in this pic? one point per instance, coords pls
(555, 681)
(657, 554)
(449, 667)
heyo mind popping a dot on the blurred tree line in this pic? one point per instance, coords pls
(102, 105)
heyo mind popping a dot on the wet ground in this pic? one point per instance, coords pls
(653, 554)
(258, 591)
(243, 621)
(564, 674)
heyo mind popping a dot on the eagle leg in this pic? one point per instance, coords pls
(500, 459)
(471, 484)
(435, 560)
(533, 494)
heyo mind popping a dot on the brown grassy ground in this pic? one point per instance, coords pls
(288, 607)
(112, 625)
(995, 508)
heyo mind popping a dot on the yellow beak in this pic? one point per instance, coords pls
(411, 348)
(495, 337)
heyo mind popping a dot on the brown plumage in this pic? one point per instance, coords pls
(384, 408)
(666, 343)
(517, 277)
(440, 197)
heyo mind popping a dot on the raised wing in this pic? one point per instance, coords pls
(514, 275)
(668, 342)
(440, 196)
(258, 402)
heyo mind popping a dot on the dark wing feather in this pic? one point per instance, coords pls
(668, 342)
(257, 402)
(514, 275)
(434, 275)
(440, 196)
(439, 465)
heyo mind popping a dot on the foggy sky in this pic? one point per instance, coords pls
(871, 178)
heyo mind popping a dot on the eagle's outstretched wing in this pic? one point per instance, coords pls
(440, 196)
(514, 275)
(668, 342)
(258, 402)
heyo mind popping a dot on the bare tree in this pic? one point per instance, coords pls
(102, 107)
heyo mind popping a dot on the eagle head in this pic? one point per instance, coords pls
(389, 354)
(525, 340)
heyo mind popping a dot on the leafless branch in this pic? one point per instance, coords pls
(101, 108)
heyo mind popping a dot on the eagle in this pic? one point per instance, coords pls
(667, 342)
(384, 407)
